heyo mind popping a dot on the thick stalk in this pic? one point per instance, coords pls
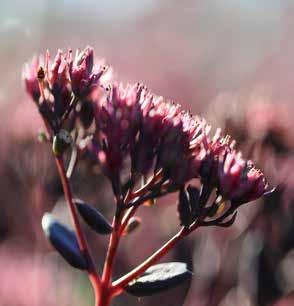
(104, 297)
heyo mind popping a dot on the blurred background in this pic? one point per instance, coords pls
(228, 60)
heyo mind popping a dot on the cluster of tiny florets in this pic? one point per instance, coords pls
(132, 124)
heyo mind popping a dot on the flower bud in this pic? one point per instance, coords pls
(61, 142)
(84, 75)
(132, 225)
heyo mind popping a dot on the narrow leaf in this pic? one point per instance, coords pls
(194, 195)
(184, 208)
(159, 278)
(64, 241)
(93, 218)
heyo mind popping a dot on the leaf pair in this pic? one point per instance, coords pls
(64, 240)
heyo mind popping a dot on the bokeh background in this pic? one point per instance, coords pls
(228, 60)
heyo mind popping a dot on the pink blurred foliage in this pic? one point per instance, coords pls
(29, 280)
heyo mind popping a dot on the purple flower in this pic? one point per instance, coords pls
(239, 180)
(117, 118)
(85, 76)
(58, 85)
(155, 134)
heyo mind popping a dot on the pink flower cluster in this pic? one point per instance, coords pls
(160, 135)
(153, 134)
(54, 84)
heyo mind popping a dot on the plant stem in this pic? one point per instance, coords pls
(119, 284)
(131, 211)
(112, 248)
(104, 298)
(93, 275)
(144, 188)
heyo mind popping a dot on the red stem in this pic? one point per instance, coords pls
(127, 217)
(112, 248)
(118, 285)
(144, 188)
(93, 275)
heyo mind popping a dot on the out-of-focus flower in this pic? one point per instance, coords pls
(39, 279)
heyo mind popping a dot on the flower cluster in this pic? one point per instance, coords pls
(56, 85)
(132, 124)
(147, 147)
(160, 135)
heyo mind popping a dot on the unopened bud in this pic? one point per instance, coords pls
(42, 136)
(149, 202)
(61, 142)
(41, 74)
(132, 225)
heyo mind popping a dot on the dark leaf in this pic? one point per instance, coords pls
(194, 195)
(211, 210)
(86, 113)
(64, 241)
(184, 208)
(159, 278)
(93, 218)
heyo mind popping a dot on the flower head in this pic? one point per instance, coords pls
(132, 124)
(117, 118)
(54, 84)
(85, 76)
(154, 133)
(239, 180)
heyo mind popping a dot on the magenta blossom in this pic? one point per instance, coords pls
(29, 75)
(85, 76)
(155, 134)
(239, 181)
(117, 118)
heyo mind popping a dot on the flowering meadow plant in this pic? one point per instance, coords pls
(147, 147)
